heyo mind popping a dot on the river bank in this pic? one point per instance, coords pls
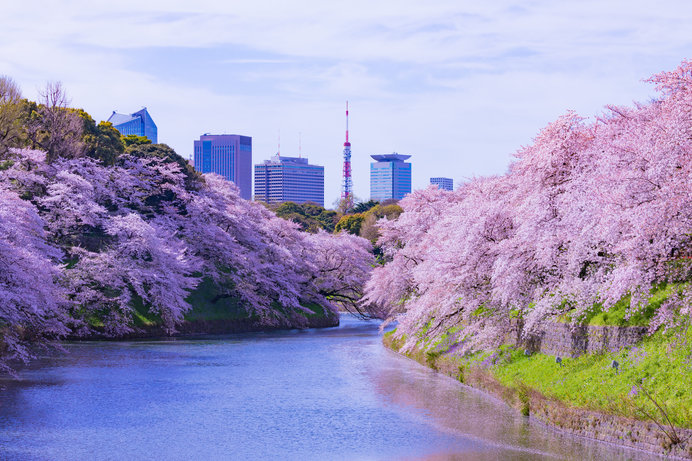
(210, 316)
(494, 373)
(210, 327)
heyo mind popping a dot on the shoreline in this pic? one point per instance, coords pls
(206, 327)
(612, 429)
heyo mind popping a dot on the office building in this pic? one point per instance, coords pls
(140, 124)
(390, 177)
(289, 179)
(443, 183)
(229, 155)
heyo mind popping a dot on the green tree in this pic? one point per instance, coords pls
(362, 207)
(311, 216)
(351, 223)
(311, 209)
(287, 209)
(369, 228)
(52, 126)
(328, 220)
(10, 114)
(101, 141)
(134, 140)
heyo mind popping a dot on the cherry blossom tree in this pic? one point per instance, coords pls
(31, 310)
(588, 214)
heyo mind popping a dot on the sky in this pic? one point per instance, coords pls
(459, 85)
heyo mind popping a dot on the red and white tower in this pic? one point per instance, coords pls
(347, 184)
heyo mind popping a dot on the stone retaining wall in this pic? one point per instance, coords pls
(565, 340)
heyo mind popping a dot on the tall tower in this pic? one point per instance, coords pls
(347, 184)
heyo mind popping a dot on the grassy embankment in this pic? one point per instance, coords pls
(208, 308)
(653, 379)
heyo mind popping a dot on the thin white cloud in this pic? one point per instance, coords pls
(459, 84)
(257, 61)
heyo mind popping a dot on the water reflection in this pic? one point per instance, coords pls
(317, 394)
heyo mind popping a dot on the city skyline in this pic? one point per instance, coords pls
(454, 83)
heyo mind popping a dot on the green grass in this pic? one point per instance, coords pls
(617, 315)
(661, 364)
(317, 311)
(141, 317)
(207, 305)
(620, 314)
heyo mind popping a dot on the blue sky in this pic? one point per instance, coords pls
(460, 85)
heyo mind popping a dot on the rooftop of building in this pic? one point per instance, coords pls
(224, 134)
(282, 159)
(117, 118)
(393, 157)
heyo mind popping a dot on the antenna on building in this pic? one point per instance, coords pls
(347, 185)
(278, 151)
(300, 147)
(346, 121)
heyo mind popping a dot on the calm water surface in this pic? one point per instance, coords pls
(318, 394)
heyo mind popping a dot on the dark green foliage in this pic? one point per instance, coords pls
(362, 207)
(328, 219)
(287, 209)
(313, 217)
(310, 216)
(212, 303)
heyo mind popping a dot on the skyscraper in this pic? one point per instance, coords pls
(390, 177)
(443, 183)
(289, 179)
(140, 124)
(229, 155)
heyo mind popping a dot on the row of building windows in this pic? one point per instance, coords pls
(290, 178)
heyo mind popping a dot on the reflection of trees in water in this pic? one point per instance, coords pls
(455, 408)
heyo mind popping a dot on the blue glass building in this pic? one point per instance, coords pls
(229, 155)
(443, 183)
(390, 177)
(140, 124)
(289, 179)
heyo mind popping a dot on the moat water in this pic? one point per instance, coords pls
(327, 394)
